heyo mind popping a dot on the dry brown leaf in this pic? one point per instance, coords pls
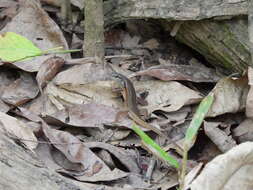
(229, 96)
(9, 9)
(192, 175)
(7, 3)
(36, 106)
(108, 134)
(170, 72)
(126, 157)
(48, 69)
(99, 92)
(229, 171)
(249, 102)
(27, 114)
(81, 74)
(21, 90)
(167, 96)
(34, 23)
(75, 151)
(223, 141)
(244, 132)
(19, 130)
(77, 3)
(4, 107)
(7, 77)
(87, 115)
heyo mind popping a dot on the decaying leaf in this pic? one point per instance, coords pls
(249, 101)
(4, 107)
(86, 115)
(229, 171)
(167, 96)
(7, 77)
(81, 74)
(34, 23)
(94, 169)
(21, 90)
(244, 132)
(223, 141)
(99, 92)
(230, 96)
(107, 134)
(124, 156)
(170, 72)
(19, 130)
(48, 69)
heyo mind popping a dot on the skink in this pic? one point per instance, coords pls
(131, 101)
(131, 104)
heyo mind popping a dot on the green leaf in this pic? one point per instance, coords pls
(154, 147)
(14, 47)
(197, 120)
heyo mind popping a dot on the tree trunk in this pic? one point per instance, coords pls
(250, 28)
(94, 29)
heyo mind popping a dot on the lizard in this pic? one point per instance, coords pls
(130, 97)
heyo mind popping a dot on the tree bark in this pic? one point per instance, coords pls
(223, 43)
(117, 11)
(94, 29)
(250, 28)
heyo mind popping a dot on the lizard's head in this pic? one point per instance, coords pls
(119, 79)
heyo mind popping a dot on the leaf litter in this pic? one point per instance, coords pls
(79, 136)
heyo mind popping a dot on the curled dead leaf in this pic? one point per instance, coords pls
(48, 69)
(229, 171)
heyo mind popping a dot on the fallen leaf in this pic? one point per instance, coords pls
(75, 151)
(4, 107)
(170, 72)
(167, 96)
(244, 132)
(15, 47)
(48, 69)
(77, 3)
(192, 175)
(127, 158)
(81, 74)
(34, 23)
(86, 115)
(7, 3)
(19, 131)
(9, 9)
(21, 90)
(223, 141)
(228, 171)
(27, 114)
(230, 96)
(86, 93)
(249, 101)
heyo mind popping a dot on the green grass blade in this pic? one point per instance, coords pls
(52, 51)
(154, 147)
(197, 120)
